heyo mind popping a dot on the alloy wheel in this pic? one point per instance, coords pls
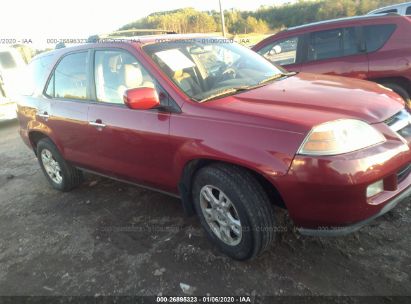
(221, 215)
(51, 166)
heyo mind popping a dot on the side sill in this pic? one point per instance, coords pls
(130, 183)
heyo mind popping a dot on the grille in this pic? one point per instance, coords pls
(399, 120)
(403, 173)
(405, 132)
(401, 123)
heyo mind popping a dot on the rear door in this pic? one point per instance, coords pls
(67, 107)
(285, 52)
(336, 52)
(129, 144)
(386, 61)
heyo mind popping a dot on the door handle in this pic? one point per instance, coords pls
(97, 124)
(44, 115)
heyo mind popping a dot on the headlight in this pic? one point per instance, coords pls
(340, 136)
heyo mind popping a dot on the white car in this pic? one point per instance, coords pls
(11, 75)
(401, 9)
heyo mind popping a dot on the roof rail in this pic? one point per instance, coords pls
(384, 8)
(341, 19)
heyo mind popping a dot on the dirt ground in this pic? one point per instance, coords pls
(109, 238)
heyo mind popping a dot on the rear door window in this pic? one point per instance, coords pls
(350, 42)
(70, 78)
(332, 43)
(408, 11)
(377, 35)
(282, 52)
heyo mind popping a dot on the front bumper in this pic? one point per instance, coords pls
(327, 195)
(339, 231)
(8, 110)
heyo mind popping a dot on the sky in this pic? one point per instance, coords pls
(41, 20)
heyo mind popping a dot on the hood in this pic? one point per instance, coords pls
(302, 101)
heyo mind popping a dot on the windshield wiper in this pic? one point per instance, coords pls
(234, 90)
(226, 92)
(277, 76)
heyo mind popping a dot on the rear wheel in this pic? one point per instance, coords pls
(234, 210)
(61, 175)
(400, 91)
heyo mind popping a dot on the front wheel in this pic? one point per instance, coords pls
(61, 175)
(234, 210)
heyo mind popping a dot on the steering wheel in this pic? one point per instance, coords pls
(228, 72)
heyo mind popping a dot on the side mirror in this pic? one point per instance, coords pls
(141, 98)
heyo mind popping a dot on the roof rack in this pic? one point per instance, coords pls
(143, 31)
(60, 45)
(116, 34)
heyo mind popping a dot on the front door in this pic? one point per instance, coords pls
(128, 144)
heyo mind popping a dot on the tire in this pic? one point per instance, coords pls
(61, 175)
(248, 203)
(400, 91)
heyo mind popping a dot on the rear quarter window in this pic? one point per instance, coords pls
(377, 35)
(7, 61)
(36, 74)
(408, 11)
(393, 10)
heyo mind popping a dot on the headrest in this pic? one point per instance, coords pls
(114, 63)
(133, 78)
(178, 74)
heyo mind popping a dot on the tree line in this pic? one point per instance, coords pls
(265, 19)
(303, 12)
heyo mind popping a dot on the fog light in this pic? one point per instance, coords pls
(375, 188)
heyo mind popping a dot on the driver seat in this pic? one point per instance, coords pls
(186, 82)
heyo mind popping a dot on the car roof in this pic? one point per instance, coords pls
(399, 5)
(345, 20)
(118, 40)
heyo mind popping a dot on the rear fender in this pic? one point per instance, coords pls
(39, 127)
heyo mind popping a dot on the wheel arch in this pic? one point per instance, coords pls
(193, 166)
(36, 135)
(404, 82)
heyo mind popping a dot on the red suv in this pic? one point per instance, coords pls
(217, 125)
(376, 48)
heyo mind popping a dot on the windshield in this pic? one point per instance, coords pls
(209, 68)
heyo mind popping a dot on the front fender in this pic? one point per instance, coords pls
(267, 151)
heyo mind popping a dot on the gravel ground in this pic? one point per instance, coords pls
(109, 238)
